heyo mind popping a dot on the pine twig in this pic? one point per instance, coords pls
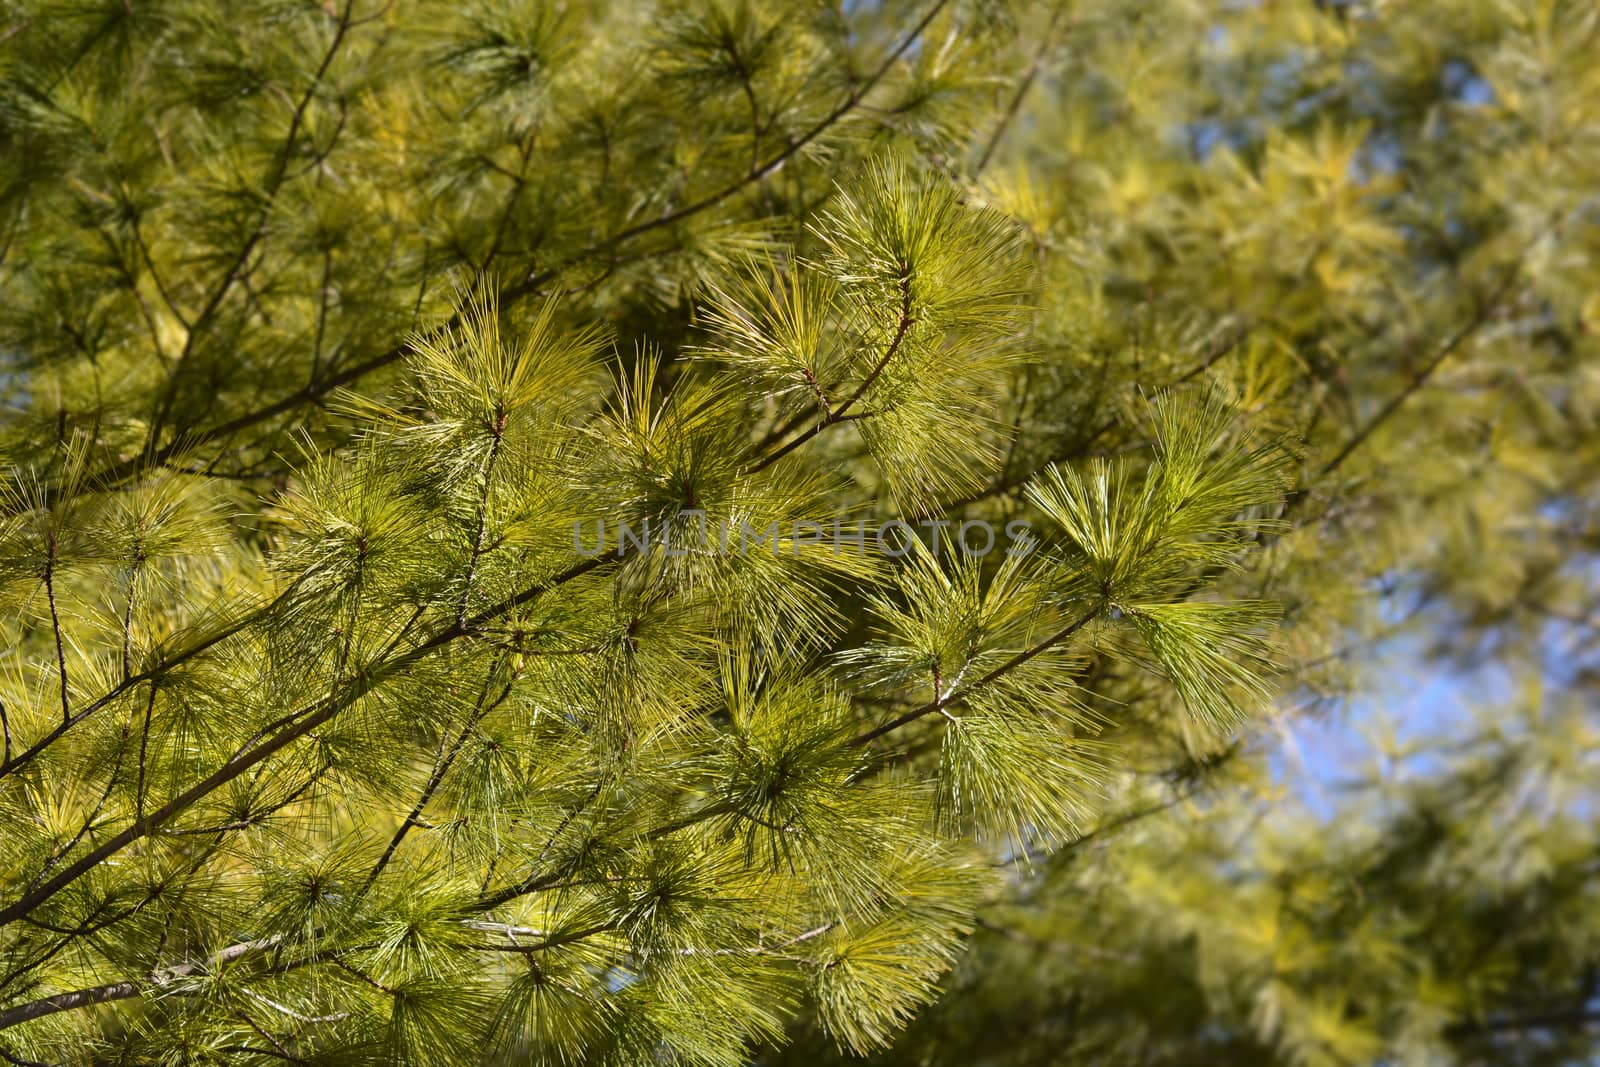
(442, 768)
(938, 705)
(1485, 308)
(55, 629)
(149, 457)
(298, 724)
(81, 998)
(1046, 40)
(842, 412)
(235, 272)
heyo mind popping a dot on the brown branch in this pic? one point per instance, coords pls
(235, 271)
(127, 989)
(144, 748)
(1485, 308)
(322, 310)
(535, 883)
(480, 710)
(130, 279)
(165, 977)
(1080, 446)
(499, 429)
(58, 854)
(127, 616)
(12, 1057)
(83, 998)
(300, 723)
(841, 413)
(827, 122)
(1557, 1020)
(10, 766)
(150, 265)
(55, 627)
(553, 941)
(1009, 116)
(120, 473)
(940, 703)
(282, 1052)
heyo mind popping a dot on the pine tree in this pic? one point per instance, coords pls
(621, 533)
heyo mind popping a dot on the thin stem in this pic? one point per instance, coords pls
(127, 618)
(282, 1052)
(81, 998)
(322, 310)
(1013, 108)
(235, 271)
(301, 722)
(483, 515)
(961, 693)
(151, 456)
(554, 941)
(55, 627)
(535, 883)
(124, 990)
(1577, 1018)
(1006, 484)
(150, 265)
(441, 768)
(58, 854)
(849, 104)
(841, 413)
(1485, 308)
(144, 744)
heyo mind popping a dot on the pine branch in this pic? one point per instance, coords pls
(163, 979)
(471, 625)
(1014, 107)
(499, 430)
(144, 746)
(763, 950)
(255, 818)
(841, 413)
(1080, 447)
(480, 710)
(536, 883)
(13, 1058)
(57, 854)
(131, 282)
(12, 765)
(1127, 819)
(288, 1012)
(849, 104)
(958, 694)
(127, 618)
(151, 457)
(281, 1053)
(297, 725)
(1579, 1018)
(55, 629)
(233, 275)
(322, 311)
(553, 941)
(1486, 307)
(101, 994)
(150, 265)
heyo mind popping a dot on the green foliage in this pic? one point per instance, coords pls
(487, 532)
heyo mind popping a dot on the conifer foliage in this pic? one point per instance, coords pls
(620, 533)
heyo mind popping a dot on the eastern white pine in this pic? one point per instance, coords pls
(729, 531)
